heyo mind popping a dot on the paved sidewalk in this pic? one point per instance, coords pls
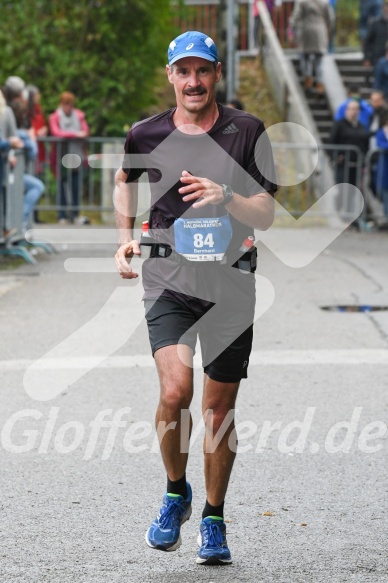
(75, 501)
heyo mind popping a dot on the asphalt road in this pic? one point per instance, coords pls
(308, 505)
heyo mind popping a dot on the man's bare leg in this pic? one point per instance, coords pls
(176, 392)
(221, 399)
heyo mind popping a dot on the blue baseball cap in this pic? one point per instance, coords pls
(192, 44)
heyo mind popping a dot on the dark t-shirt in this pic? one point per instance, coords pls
(227, 154)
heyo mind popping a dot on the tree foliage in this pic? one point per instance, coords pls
(104, 51)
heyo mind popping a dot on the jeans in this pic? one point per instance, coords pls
(369, 9)
(73, 185)
(311, 63)
(33, 190)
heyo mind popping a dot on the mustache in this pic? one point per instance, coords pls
(198, 89)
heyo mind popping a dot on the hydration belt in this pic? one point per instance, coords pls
(163, 250)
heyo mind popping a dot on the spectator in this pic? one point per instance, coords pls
(333, 4)
(36, 117)
(312, 22)
(382, 166)
(381, 74)
(235, 104)
(369, 10)
(379, 116)
(70, 124)
(8, 139)
(13, 93)
(37, 122)
(376, 38)
(366, 110)
(33, 187)
(271, 4)
(348, 132)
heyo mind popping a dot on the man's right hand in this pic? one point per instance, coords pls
(367, 63)
(123, 266)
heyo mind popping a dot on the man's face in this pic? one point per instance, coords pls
(194, 80)
(376, 100)
(385, 10)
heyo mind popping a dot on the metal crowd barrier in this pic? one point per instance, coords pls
(95, 185)
(373, 186)
(305, 173)
(12, 238)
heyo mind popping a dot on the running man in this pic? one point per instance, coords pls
(208, 195)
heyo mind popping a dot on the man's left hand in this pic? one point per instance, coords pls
(203, 190)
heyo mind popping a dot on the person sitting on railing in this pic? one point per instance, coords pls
(376, 38)
(366, 110)
(382, 166)
(70, 124)
(312, 22)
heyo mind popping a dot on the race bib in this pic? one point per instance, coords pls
(202, 239)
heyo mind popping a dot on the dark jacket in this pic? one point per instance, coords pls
(381, 76)
(343, 133)
(375, 40)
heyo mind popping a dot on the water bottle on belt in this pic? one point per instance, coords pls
(146, 241)
(248, 261)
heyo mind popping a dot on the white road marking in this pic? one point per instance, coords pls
(258, 358)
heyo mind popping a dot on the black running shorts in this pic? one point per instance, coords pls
(225, 338)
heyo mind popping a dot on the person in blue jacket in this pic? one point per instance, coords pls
(366, 110)
(382, 166)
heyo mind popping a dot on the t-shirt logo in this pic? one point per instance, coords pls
(231, 129)
(190, 46)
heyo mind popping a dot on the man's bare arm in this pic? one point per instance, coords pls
(125, 202)
(256, 211)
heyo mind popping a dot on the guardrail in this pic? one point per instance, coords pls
(293, 160)
(373, 187)
(12, 237)
(71, 184)
(297, 193)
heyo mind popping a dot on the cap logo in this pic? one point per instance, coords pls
(209, 42)
(190, 46)
(172, 45)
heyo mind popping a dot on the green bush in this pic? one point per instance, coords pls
(104, 51)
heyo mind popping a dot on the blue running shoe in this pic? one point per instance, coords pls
(212, 540)
(164, 533)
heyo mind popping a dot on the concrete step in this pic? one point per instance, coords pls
(322, 115)
(324, 125)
